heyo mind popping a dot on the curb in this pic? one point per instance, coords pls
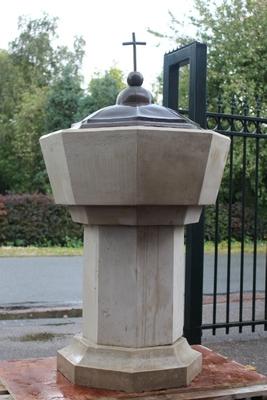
(72, 312)
(36, 313)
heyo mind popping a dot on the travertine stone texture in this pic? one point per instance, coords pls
(127, 369)
(134, 188)
(135, 165)
(135, 215)
(133, 285)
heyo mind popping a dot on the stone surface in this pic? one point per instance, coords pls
(137, 216)
(135, 165)
(133, 310)
(128, 369)
(134, 188)
(133, 285)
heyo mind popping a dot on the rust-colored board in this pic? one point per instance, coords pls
(3, 390)
(38, 379)
(248, 392)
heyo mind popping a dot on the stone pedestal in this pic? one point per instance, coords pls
(133, 188)
(133, 306)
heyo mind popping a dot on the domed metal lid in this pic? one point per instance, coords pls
(134, 107)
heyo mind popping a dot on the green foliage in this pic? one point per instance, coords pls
(102, 91)
(35, 220)
(235, 33)
(63, 100)
(236, 223)
(40, 87)
(33, 49)
(11, 87)
(41, 91)
(28, 126)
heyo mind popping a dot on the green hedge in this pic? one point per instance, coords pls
(236, 222)
(37, 221)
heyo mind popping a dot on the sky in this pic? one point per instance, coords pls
(104, 25)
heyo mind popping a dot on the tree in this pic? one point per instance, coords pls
(40, 85)
(11, 86)
(24, 166)
(235, 33)
(36, 54)
(33, 49)
(103, 90)
(11, 91)
(41, 91)
(63, 100)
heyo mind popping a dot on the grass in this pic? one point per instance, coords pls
(38, 337)
(236, 247)
(10, 251)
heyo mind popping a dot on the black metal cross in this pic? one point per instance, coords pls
(134, 43)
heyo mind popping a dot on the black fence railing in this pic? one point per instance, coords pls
(239, 220)
(237, 278)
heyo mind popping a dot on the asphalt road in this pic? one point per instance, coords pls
(40, 281)
(57, 281)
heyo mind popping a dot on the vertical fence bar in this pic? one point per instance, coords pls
(215, 278)
(229, 241)
(242, 232)
(256, 205)
(194, 283)
(242, 250)
(229, 233)
(170, 86)
(216, 236)
(255, 234)
(265, 305)
(195, 55)
(195, 232)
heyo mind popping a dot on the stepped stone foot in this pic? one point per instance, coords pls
(128, 369)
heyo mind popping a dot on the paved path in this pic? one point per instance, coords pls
(57, 281)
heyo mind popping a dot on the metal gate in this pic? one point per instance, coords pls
(239, 213)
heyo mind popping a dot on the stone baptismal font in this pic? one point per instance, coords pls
(134, 174)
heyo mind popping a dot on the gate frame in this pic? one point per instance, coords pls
(194, 54)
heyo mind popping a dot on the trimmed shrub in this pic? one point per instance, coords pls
(236, 222)
(37, 221)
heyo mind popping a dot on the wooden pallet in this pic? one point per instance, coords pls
(256, 392)
(221, 379)
(4, 394)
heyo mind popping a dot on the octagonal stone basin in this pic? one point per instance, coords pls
(135, 166)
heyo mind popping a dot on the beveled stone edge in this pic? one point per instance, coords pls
(131, 381)
(135, 215)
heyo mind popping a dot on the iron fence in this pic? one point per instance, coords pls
(240, 213)
(244, 185)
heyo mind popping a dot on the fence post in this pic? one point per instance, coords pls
(195, 55)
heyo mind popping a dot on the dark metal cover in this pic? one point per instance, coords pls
(134, 107)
